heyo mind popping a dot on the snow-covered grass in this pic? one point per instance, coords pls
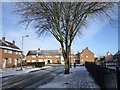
(15, 71)
(79, 77)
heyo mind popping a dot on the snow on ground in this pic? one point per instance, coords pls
(15, 71)
(78, 78)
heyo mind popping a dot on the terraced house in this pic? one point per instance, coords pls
(10, 54)
(47, 56)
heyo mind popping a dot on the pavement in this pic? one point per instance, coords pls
(79, 77)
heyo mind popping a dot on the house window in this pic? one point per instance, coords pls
(56, 56)
(82, 60)
(19, 53)
(40, 60)
(5, 51)
(19, 60)
(82, 55)
(48, 56)
(40, 56)
(33, 60)
(33, 56)
(28, 60)
(9, 51)
(9, 60)
(45, 59)
(16, 52)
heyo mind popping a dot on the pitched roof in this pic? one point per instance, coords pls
(44, 52)
(86, 49)
(117, 53)
(8, 45)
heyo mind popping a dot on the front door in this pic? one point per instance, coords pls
(4, 63)
(15, 62)
(48, 61)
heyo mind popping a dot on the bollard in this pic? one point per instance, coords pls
(70, 65)
(74, 65)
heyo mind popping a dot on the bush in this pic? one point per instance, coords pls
(36, 64)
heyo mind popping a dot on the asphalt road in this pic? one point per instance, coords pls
(32, 79)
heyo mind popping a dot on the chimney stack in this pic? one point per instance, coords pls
(3, 38)
(39, 49)
(13, 42)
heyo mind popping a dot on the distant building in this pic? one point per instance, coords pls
(108, 59)
(100, 60)
(11, 55)
(77, 58)
(85, 56)
(116, 58)
(47, 56)
(108, 56)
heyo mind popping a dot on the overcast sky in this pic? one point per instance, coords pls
(100, 36)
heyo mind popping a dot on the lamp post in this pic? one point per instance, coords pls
(22, 47)
(70, 58)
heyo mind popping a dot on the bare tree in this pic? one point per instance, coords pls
(62, 19)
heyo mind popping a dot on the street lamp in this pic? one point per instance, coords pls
(70, 58)
(22, 47)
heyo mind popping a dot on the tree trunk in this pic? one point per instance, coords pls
(65, 53)
(66, 66)
(66, 58)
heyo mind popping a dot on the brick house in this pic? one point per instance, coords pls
(116, 58)
(77, 58)
(108, 58)
(11, 55)
(47, 56)
(85, 56)
(100, 60)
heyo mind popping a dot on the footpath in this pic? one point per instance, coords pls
(79, 77)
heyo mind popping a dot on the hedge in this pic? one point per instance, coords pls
(36, 64)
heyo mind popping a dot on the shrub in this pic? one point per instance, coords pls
(36, 64)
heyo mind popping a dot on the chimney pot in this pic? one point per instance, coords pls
(38, 48)
(13, 42)
(3, 38)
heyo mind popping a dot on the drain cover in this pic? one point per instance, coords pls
(66, 83)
